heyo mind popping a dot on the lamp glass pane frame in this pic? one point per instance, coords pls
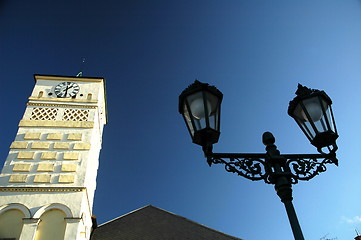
(211, 117)
(311, 127)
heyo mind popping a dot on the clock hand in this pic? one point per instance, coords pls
(66, 91)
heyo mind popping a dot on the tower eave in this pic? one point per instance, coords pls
(78, 79)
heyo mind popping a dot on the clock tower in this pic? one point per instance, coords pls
(48, 180)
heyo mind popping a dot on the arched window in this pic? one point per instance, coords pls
(51, 226)
(11, 224)
(89, 97)
(40, 94)
(11, 220)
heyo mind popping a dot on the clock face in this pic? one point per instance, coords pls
(66, 89)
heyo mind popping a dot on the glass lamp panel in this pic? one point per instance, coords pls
(311, 110)
(196, 105)
(320, 114)
(307, 128)
(329, 118)
(188, 120)
(200, 124)
(203, 108)
(194, 113)
(213, 110)
(313, 113)
(314, 109)
(212, 122)
(217, 118)
(321, 125)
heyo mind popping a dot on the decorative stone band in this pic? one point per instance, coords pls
(67, 219)
(72, 220)
(60, 100)
(31, 220)
(60, 124)
(42, 189)
(69, 79)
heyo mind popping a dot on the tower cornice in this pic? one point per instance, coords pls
(67, 78)
(60, 105)
(42, 189)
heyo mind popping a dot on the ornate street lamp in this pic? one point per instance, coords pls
(200, 106)
(313, 113)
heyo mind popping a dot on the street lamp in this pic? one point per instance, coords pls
(313, 113)
(200, 106)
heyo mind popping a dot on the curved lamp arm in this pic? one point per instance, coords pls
(271, 165)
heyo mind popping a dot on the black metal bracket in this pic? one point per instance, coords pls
(271, 165)
(260, 167)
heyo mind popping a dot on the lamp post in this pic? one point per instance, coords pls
(200, 106)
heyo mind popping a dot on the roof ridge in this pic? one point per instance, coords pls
(173, 214)
(124, 215)
(194, 222)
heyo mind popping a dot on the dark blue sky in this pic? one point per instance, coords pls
(254, 51)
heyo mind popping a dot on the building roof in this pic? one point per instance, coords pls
(152, 223)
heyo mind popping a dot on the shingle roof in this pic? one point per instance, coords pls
(152, 223)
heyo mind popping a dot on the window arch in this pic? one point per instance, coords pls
(59, 206)
(52, 222)
(17, 206)
(11, 220)
(51, 225)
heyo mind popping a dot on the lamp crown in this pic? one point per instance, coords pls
(195, 87)
(303, 91)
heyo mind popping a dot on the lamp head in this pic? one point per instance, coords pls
(312, 111)
(200, 106)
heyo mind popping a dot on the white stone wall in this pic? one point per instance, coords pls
(53, 160)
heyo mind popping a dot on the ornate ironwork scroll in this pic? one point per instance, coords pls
(262, 167)
(250, 168)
